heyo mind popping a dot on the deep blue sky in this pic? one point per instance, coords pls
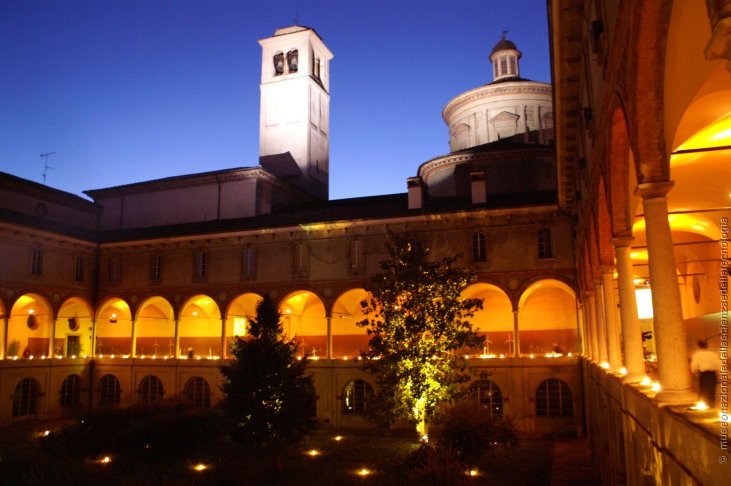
(127, 91)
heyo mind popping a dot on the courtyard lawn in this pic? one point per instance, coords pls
(27, 458)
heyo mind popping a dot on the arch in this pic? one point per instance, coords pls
(29, 327)
(200, 327)
(110, 391)
(198, 392)
(70, 392)
(604, 226)
(554, 399)
(547, 317)
(150, 390)
(241, 310)
(621, 175)
(495, 320)
(357, 395)
(73, 328)
(489, 396)
(348, 339)
(303, 319)
(25, 398)
(113, 328)
(155, 324)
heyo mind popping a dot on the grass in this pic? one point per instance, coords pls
(26, 458)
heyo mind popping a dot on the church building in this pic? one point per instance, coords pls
(594, 210)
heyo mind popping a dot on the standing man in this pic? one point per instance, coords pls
(707, 364)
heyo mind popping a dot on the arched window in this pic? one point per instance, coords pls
(109, 390)
(278, 63)
(198, 392)
(151, 390)
(489, 396)
(71, 391)
(545, 243)
(25, 398)
(356, 396)
(553, 399)
(292, 60)
(479, 250)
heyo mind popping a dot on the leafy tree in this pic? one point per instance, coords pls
(266, 392)
(417, 323)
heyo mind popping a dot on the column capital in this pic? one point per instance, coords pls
(652, 190)
(622, 241)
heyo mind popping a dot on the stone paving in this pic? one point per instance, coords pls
(572, 464)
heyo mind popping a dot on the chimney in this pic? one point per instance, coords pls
(416, 192)
(479, 187)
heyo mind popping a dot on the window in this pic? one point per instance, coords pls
(513, 66)
(316, 68)
(151, 390)
(198, 392)
(79, 269)
(479, 253)
(545, 243)
(71, 391)
(503, 65)
(25, 398)
(356, 396)
(489, 396)
(156, 267)
(278, 63)
(356, 255)
(109, 390)
(36, 262)
(553, 399)
(292, 60)
(114, 270)
(248, 263)
(300, 259)
(201, 264)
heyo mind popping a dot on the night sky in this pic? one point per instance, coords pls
(128, 91)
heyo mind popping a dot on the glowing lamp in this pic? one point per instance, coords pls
(604, 365)
(313, 453)
(646, 381)
(656, 387)
(700, 405)
(623, 371)
(200, 467)
(474, 472)
(363, 472)
(104, 460)
(425, 438)
(338, 438)
(31, 311)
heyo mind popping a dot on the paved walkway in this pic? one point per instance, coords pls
(572, 464)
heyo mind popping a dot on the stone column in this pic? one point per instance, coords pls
(52, 341)
(614, 354)
(223, 339)
(329, 350)
(634, 359)
(4, 338)
(176, 339)
(92, 337)
(133, 348)
(580, 326)
(601, 329)
(672, 353)
(516, 335)
(590, 319)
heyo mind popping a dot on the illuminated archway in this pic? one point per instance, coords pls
(29, 327)
(240, 312)
(113, 328)
(495, 320)
(348, 339)
(73, 328)
(155, 325)
(547, 318)
(303, 318)
(199, 326)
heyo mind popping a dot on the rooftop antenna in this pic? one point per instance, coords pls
(46, 166)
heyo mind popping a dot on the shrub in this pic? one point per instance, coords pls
(436, 466)
(467, 429)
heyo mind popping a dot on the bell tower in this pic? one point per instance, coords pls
(294, 119)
